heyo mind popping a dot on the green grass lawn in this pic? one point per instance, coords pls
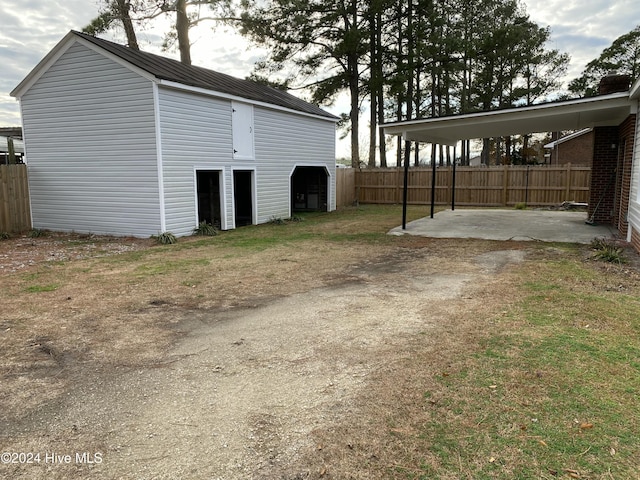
(552, 391)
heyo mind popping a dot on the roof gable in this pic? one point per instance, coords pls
(568, 138)
(170, 70)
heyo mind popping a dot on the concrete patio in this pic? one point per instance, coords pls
(495, 224)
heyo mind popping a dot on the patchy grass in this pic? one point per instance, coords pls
(541, 381)
(536, 374)
(42, 288)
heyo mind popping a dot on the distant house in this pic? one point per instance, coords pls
(575, 148)
(161, 146)
(615, 166)
(8, 134)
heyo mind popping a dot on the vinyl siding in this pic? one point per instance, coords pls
(196, 134)
(91, 152)
(282, 141)
(634, 194)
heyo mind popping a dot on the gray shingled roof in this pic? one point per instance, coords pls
(172, 70)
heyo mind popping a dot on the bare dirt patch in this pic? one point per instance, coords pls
(232, 363)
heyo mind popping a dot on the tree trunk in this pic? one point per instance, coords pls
(409, 67)
(182, 30)
(354, 116)
(486, 147)
(373, 88)
(123, 12)
(380, 93)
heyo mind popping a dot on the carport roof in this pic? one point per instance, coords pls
(603, 110)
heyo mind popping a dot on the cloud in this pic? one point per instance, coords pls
(583, 28)
(30, 28)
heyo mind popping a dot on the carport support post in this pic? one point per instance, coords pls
(433, 183)
(404, 193)
(453, 187)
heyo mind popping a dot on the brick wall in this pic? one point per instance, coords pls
(577, 151)
(605, 159)
(611, 174)
(626, 141)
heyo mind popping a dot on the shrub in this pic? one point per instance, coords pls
(521, 206)
(205, 228)
(607, 251)
(283, 221)
(37, 232)
(4, 236)
(277, 220)
(165, 238)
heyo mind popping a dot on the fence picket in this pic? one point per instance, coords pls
(478, 186)
(15, 213)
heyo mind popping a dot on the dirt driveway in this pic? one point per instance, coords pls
(239, 390)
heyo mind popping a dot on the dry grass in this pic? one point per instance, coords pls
(539, 378)
(82, 301)
(534, 374)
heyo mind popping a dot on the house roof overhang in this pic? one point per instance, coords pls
(569, 137)
(603, 110)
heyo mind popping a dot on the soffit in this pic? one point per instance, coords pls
(605, 110)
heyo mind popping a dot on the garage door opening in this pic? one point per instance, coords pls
(208, 185)
(243, 197)
(309, 189)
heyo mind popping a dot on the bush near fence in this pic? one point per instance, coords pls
(15, 212)
(505, 186)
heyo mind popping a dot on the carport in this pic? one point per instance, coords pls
(611, 115)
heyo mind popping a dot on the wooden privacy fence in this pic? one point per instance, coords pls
(506, 185)
(345, 187)
(15, 213)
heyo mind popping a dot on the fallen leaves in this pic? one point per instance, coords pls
(572, 473)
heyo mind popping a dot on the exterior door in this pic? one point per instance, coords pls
(243, 197)
(208, 185)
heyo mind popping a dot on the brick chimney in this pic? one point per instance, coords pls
(614, 83)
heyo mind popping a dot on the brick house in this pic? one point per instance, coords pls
(575, 148)
(612, 116)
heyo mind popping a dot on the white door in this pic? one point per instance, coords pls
(242, 128)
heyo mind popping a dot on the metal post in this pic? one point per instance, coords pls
(453, 187)
(433, 186)
(405, 192)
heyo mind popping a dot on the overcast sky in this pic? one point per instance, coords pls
(30, 28)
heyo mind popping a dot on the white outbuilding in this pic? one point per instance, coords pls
(124, 142)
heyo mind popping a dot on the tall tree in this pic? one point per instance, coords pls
(186, 14)
(623, 56)
(112, 12)
(315, 36)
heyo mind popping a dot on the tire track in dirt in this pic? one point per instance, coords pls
(239, 395)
